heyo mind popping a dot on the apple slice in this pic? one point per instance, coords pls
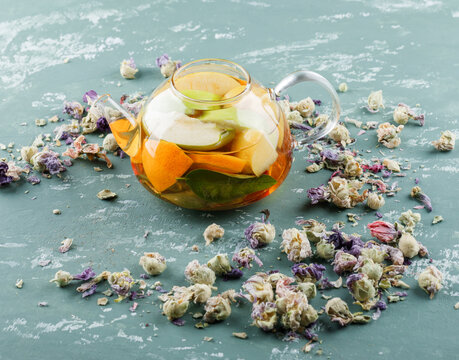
(200, 95)
(255, 147)
(213, 82)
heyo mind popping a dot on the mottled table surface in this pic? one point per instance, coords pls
(407, 48)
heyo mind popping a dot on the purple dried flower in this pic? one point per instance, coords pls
(102, 125)
(144, 276)
(299, 126)
(330, 155)
(234, 274)
(74, 109)
(52, 163)
(161, 290)
(317, 194)
(317, 102)
(407, 261)
(89, 96)
(122, 154)
(416, 181)
(378, 215)
(90, 291)
(343, 262)
(69, 141)
(308, 334)
(417, 194)
(386, 173)
(33, 180)
(178, 322)
(313, 272)
(380, 304)
(244, 258)
(85, 275)
(336, 238)
(162, 60)
(4, 179)
(401, 293)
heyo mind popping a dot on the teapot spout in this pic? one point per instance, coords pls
(124, 126)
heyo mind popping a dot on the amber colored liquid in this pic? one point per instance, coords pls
(179, 193)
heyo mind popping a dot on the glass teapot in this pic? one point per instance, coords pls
(211, 137)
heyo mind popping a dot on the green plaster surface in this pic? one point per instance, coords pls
(407, 48)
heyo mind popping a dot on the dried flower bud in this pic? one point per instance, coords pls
(417, 194)
(200, 293)
(408, 245)
(217, 308)
(121, 283)
(375, 101)
(340, 134)
(373, 270)
(199, 274)
(244, 258)
(294, 117)
(313, 168)
(153, 263)
(391, 165)
(430, 280)
(338, 311)
(296, 245)
(376, 253)
(343, 262)
(219, 264)
(342, 87)
(110, 143)
(175, 308)
(446, 142)
(314, 230)
(375, 201)
(344, 193)
(325, 249)
(409, 219)
(264, 315)
(361, 287)
(403, 113)
(274, 277)
(388, 135)
(352, 167)
(128, 69)
(305, 107)
(258, 288)
(213, 232)
(309, 289)
(27, 152)
(383, 231)
(260, 234)
(307, 273)
(62, 278)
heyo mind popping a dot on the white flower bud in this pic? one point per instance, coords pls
(128, 69)
(175, 308)
(219, 264)
(296, 245)
(446, 142)
(110, 143)
(305, 107)
(199, 274)
(342, 87)
(375, 101)
(153, 263)
(294, 117)
(408, 245)
(391, 165)
(401, 115)
(375, 201)
(213, 232)
(430, 280)
(62, 278)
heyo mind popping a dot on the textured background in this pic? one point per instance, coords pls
(407, 48)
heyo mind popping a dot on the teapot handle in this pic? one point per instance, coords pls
(303, 76)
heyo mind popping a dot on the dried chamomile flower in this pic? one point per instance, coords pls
(403, 113)
(314, 229)
(213, 232)
(344, 193)
(260, 234)
(244, 258)
(74, 109)
(309, 289)
(342, 87)
(264, 315)
(325, 249)
(409, 219)
(383, 231)
(200, 293)
(338, 311)
(128, 69)
(153, 263)
(175, 308)
(121, 283)
(296, 245)
(437, 219)
(388, 135)
(217, 308)
(416, 193)
(340, 134)
(258, 288)
(199, 274)
(408, 245)
(305, 107)
(308, 273)
(375, 201)
(62, 278)
(375, 101)
(219, 264)
(106, 194)
(446, 142)
(315, 167)
(352, 167)
(294, 117)
(109, 143)
(430, 280)
(27, 152)
(391, 165)
(373, 270)
(166, 65)
(343, 262)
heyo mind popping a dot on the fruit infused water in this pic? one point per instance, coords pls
(209, 140)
